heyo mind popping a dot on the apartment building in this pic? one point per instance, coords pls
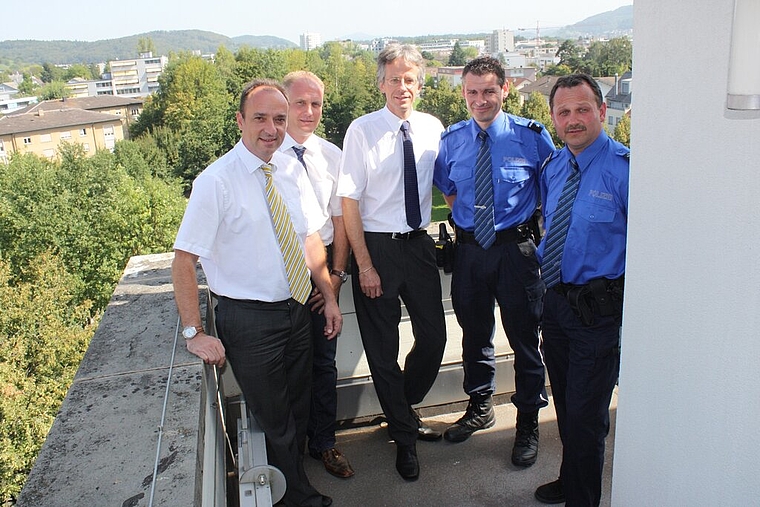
(126, 108)
(137, 77)
(310, 40)
(40, 132)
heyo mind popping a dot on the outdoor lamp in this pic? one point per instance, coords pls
(744, 64)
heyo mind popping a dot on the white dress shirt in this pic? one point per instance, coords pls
(323, 161)
(228, 224)
(372, 167)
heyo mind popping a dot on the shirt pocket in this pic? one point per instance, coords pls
(511, 180)
(592, 221)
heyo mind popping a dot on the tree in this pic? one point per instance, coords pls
(512, 102)
(145, 45)
(458, 56)
(616, 57)
(443, 102)
(67, 229)
(537, 108)
(54, 90)
(27, 86)
(51, 73)
(569, 54)
(77, 70)
(622, 132)
(195, 108)
(557, 70)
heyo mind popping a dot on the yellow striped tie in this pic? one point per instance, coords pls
(292, 253)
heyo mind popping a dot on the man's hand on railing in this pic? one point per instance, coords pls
(208, 348)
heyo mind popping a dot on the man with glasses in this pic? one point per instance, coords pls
(386, 179)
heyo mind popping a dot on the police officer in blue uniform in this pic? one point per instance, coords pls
(487, 169)
(584, 190)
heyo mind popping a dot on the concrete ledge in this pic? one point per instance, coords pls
(102, 447)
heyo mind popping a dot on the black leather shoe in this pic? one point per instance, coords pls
(525, 450)
(550, 493)
(425, 432)
(406, 462)
(326, 501)
(478, 416)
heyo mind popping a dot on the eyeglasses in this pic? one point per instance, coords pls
(396, 81)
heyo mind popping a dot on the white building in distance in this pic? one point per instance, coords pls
(310, 41)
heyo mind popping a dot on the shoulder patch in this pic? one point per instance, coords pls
(453, 128)
(531, 124)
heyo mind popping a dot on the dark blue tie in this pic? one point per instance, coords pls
(555, 237)
(485, 234)
(411, 194)
(299, 154)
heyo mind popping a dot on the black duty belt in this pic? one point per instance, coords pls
(402, 236)
(519, 233)
(612, 286)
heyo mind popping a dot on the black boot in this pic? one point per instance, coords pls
(525, 450)
(478, 416)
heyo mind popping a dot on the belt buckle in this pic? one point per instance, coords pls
(399, 235)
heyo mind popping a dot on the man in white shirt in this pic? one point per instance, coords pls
(386, 183)
(264, 331)
(321, 160)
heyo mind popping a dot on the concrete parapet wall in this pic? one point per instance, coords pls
(102, 447)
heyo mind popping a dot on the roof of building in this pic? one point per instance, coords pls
(543, 85)
(86, 103)
(52, 119)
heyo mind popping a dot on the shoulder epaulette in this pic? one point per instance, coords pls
(548, 159)
(623, 152)
(531, 124)
(453, 128)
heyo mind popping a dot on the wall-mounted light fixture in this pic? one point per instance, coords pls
(744, 65)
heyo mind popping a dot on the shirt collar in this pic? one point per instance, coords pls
(495, 129)
(251, 161)
(394, 122)
(585, 157)
(310, 143)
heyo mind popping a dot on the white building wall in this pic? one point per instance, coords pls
(689, 395)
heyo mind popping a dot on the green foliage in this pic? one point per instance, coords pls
(536, 108)
(512, 102)
(145, 45)
(458, 56)
(51, 73)
(444, 102)
(66, 231)
(54, 90)
(27, 86)
(90, 212)
(80, 70)
(193, 104)
(44, 333)
(622, 132)
(601, 59)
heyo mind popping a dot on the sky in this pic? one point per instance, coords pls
(332, 19)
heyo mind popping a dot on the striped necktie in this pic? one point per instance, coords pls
(557, 234)
(411, 192)
(292, 252)
(299, 155)
(485, 234)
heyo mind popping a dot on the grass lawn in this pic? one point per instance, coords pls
(440, 209)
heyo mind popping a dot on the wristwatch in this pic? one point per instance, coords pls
(340, 274)
(190, 331)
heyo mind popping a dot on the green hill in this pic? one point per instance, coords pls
(62, 51)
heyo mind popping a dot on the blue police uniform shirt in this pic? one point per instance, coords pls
(518, 148)
(595, 244)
